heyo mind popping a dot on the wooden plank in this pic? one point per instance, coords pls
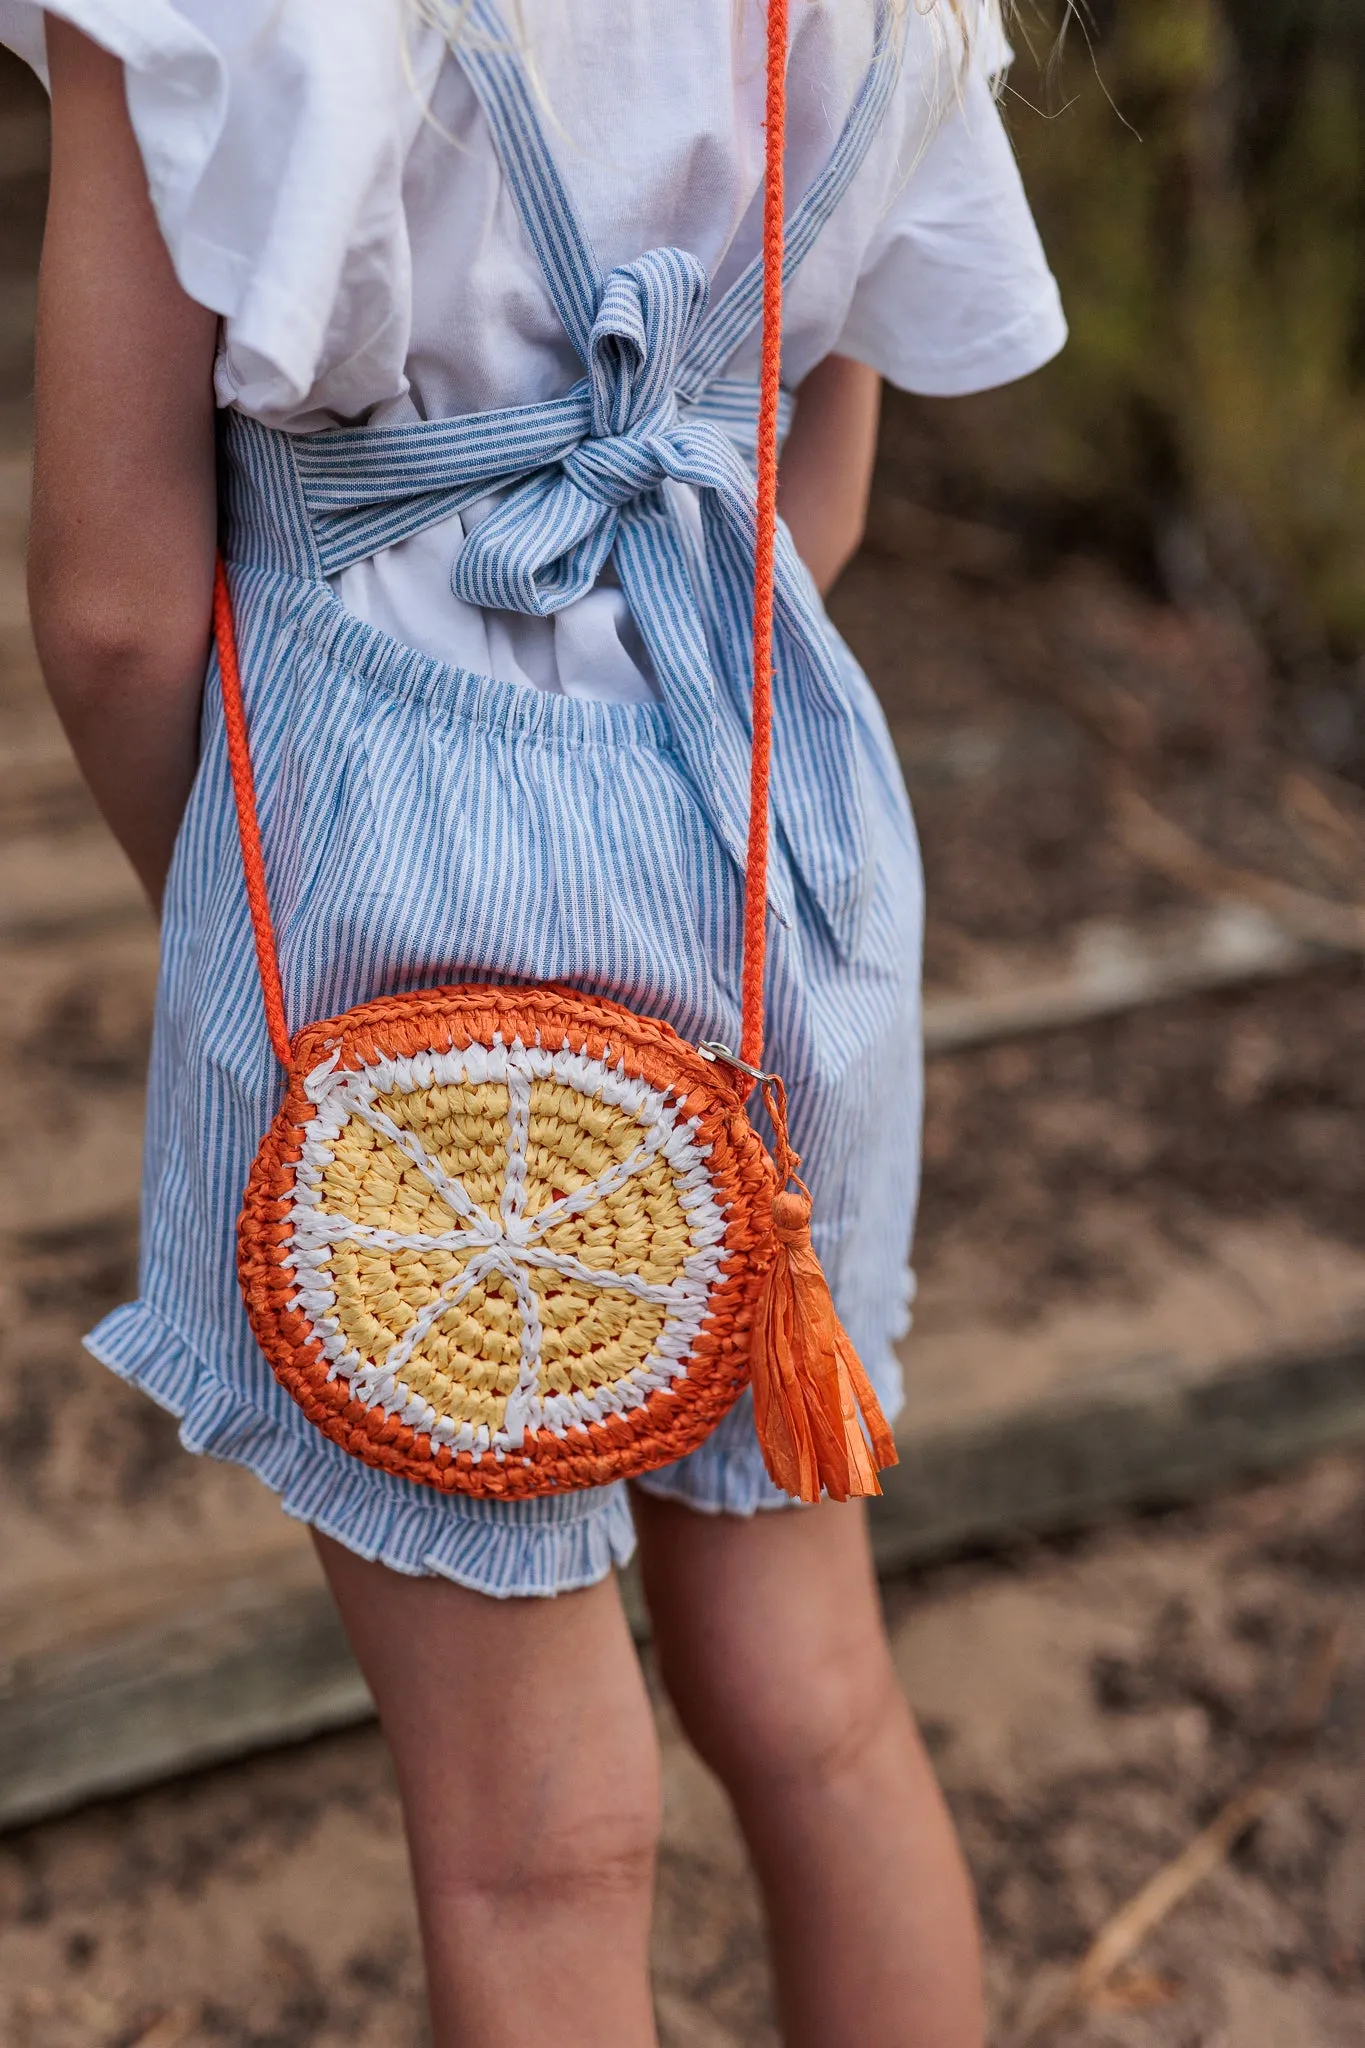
(1243, 1356)
(1107, 969)
(120, 1680)
(115, 1680)
(1148, 1436)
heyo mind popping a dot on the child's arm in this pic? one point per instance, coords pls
(124, 518)
(826, 470)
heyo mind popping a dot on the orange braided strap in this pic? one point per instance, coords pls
(769, 399)
(248, 819)
(808, 1380)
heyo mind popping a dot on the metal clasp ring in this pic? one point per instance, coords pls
(714, 1051)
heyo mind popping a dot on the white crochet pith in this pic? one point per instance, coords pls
(510, 1243)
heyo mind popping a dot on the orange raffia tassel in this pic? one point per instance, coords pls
(808, 1380)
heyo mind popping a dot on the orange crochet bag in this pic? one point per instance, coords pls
(507, 1241)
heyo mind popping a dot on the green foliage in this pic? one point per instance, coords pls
(1198, 170)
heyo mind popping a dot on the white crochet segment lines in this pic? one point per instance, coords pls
(508, 1242)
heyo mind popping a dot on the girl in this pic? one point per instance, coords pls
(495, 749)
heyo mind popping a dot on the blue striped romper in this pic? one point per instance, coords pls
(426, 825)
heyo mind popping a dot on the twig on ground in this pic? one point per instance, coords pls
(1116, 967)
(1166, 846)
(1124, 1932)
(168, 2030)
(1135, 1991)
(1327, 816)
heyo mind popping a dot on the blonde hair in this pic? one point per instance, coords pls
(451, 17)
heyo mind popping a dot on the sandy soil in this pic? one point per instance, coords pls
(1089, 1706)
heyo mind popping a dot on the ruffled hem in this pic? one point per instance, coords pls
(506, 1549)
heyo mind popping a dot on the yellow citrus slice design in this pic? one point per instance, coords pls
(502, 1240)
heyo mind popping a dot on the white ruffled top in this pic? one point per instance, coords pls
(326, 182)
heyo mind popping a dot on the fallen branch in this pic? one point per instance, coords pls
(1327, 816)
(1167, 847)
(1115, 968)
(1123, 1934)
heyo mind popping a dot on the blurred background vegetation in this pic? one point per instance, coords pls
(1198, 170)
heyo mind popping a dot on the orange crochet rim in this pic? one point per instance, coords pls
(667, 1424)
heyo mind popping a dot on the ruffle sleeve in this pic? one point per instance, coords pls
(954, 293)
(274, 134)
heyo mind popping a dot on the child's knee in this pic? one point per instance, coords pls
(573, 1837)
(808, 1725)
(606, 1862)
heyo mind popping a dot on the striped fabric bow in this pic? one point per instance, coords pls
(550, 539)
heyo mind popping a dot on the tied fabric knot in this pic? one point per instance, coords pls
(618, 467)
(582, 479)
(602, 497)
(551, 537)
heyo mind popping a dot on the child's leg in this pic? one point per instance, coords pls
(771, 1645)
(524, 1744)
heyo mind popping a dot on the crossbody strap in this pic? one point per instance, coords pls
(756, 862)
(248, 819)
(769, 402)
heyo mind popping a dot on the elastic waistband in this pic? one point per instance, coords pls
(313, 615)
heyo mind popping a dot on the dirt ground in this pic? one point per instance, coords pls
(1090, 1703)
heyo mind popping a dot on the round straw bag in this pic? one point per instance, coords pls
(508, 1241)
